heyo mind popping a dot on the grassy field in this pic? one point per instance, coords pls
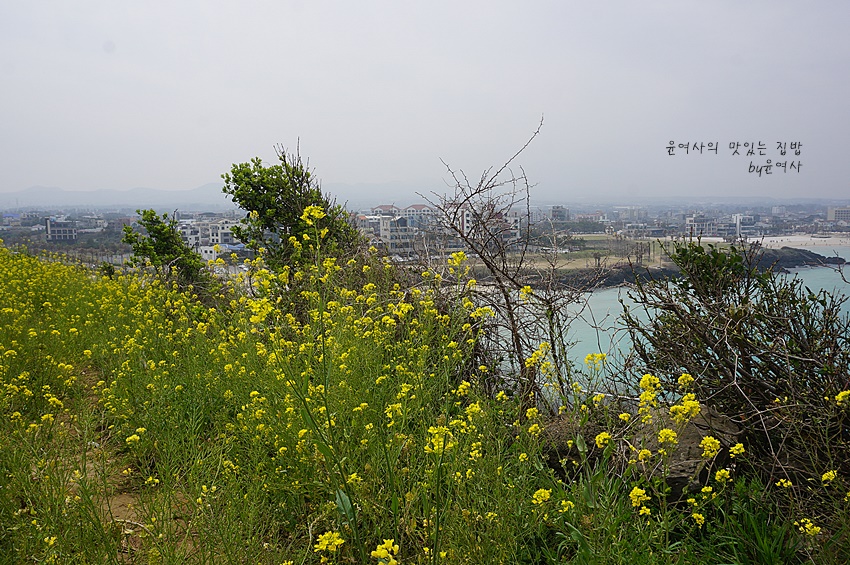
(610, 250)
(332, 414)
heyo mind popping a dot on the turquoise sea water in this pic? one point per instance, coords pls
(598, 329)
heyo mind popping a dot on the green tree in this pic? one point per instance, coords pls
(161, 247)
(274, 197)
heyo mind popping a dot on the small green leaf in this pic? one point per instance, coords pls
(343, 504)
(308, 421)
(580, 445)
(325, 450)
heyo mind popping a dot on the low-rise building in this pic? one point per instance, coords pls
(838, 214)
(58, 228)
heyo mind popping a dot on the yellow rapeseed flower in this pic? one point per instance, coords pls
(441, 440)
(312, 213)
(541, 496)
(698, 518)
(457, 259)
(650, 385)
(737, 449)
(667, 435)
(710, 446)
(595, 360)
(807, 527)
(685, 380)
(387, 552)
(688, 409)
(638, 496)
(328, 541)
(649, 382)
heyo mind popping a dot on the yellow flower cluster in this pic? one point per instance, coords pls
(538, 356)
(541, 496)
(687, 410)
(387, 551)
(667, 435)
(710, 447)
(685, 380)
(638, 496)
(603, 439)
(595, 361)
(806, 526)
(457, 259)
(698, 518)
(328, 541)
(312, 213)
(441, 440)
(650, 386)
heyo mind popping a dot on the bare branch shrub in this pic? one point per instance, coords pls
(766, 351)
(491, 219)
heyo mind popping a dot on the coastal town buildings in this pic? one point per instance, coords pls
(838, 214)
(408, 231)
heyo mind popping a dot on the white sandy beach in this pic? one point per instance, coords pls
(806, 241)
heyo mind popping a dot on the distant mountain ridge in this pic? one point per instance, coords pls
(206, 197)
(362, 196)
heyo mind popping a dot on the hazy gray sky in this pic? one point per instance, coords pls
(105, 94)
